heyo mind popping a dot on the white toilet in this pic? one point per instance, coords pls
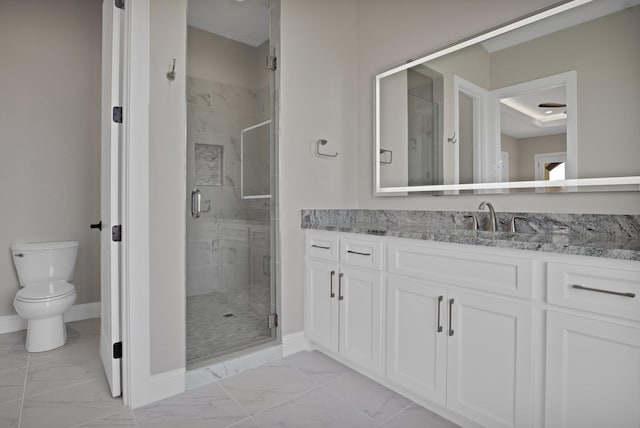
(44, 270)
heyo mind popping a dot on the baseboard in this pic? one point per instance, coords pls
(295, 342)
(83, 311)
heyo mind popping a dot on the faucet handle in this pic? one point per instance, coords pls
(512, 223)
(474, 224)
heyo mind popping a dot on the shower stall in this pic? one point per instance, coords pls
(230, 169)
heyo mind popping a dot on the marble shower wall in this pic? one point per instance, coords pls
(218, 246)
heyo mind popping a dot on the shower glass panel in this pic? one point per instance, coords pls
(230, 295)
(425, 89)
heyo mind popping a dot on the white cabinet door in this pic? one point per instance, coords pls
(489, 365)
(360, 294)
(321, 304)
(416, 342)
(593, 373)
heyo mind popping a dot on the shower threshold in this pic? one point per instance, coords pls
(210, 370)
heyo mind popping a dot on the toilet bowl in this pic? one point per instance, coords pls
(44, 270)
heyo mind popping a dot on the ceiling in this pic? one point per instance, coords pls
(245, 21)
(520, 116)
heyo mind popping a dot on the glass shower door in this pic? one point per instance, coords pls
(230, 292)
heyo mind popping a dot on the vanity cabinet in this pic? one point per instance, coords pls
(488, 337)
(321, 304)
(417, 337)
(489, 377)
(593, 357)
(343, 302)
(465, 351)
(593, 372)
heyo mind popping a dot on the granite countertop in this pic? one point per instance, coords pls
(594, 244)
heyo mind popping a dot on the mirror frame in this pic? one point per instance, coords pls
(582, 184)
(245, 130)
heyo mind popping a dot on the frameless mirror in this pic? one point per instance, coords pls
(254, 161)
(550, 103)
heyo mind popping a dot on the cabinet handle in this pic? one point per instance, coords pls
(358, 253)
(340, 296)
(440, 298)
(321, 247)
(598, 290)
(450, 317)
(332, 294)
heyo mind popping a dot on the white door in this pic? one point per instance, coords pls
(489, 367)
(417, 337)
(593, 373)
(109, 195)
(360, 296)
(321, 304)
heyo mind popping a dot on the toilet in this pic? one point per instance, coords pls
(44, 270)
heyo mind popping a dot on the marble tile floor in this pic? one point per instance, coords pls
(61, 388)
(211, 334)
(303, 390)
(65, 388)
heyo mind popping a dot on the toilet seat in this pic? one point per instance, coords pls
(45, 291)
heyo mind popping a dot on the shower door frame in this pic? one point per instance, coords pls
(274, 229)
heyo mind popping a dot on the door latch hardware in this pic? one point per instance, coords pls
(117, 350)
(116, 233)
(117, 114)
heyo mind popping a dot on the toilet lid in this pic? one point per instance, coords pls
(45, 290)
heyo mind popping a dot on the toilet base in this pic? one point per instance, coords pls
(45, 334)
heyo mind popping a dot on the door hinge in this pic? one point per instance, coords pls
(273, 320)
(272, 63)
(116, 233)
(119, 4)
(117, 114)
(117, 350)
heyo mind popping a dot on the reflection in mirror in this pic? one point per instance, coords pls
(255, 162)
(539, 106)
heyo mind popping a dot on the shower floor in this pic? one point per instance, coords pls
(224, 321)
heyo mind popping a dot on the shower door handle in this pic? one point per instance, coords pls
(196, 203)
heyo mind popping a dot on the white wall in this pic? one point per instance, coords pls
(167, 164)
(318, 100)
(389, 33)
(50, 134)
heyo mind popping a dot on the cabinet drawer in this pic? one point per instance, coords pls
(511, 276)
(609, 291)
(322, 247)
(362, 253)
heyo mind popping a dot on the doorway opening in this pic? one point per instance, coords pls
(230, 178)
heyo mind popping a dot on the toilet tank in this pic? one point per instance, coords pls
(44, 261)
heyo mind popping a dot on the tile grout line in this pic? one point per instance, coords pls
(359, 411)
(411, 402)
(395, 414)
(24, 389)
(96, 419)
(237, 404)
(61, 387)
(135, 419)
(295, 397)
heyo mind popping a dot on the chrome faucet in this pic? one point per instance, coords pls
(493, 222)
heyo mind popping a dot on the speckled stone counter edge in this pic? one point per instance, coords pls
(596, 235)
